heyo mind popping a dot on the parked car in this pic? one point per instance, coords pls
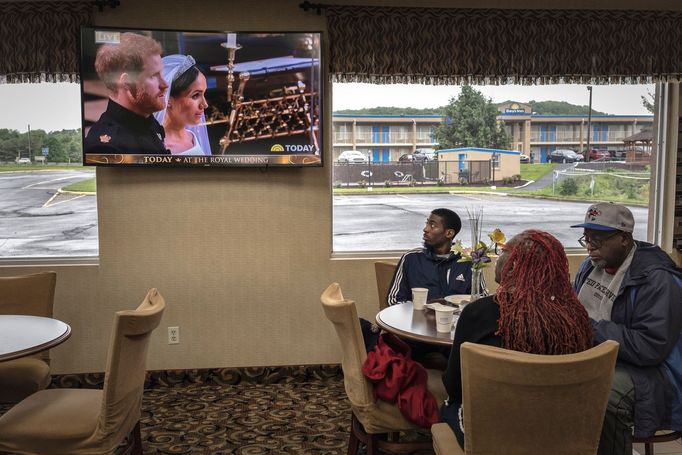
(428, 154)
(524, 158)
(599, 155)
(413, 157)
(617, 154)
(565, 156)
(23, 161)
(352, 156)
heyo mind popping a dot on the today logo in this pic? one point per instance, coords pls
(293, 148)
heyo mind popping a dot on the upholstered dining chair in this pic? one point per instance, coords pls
(26, 295)
(526, 404)
(372, 420)
(384, 272)
(79, 421)
(660, 437)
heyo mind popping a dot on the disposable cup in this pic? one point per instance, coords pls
(419, 298)
(444, 319)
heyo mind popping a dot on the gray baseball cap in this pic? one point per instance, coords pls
(607, 216)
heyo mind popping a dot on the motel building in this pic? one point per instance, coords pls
(387, 137)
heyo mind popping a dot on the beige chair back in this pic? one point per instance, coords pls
(31, 295)
(524, 404)
(126, 365)
(384, 272)
(343, 314)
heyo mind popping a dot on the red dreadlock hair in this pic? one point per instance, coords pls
(539, 310)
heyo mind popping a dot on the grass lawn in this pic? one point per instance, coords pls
(535, 171)
(606, 188)
(37, 167)
(85, 186)
(420, 189)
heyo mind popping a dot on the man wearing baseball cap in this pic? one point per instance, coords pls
(632, 291)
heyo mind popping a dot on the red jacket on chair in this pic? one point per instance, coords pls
(396, 377)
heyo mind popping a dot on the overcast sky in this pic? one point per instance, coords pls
(54, 107)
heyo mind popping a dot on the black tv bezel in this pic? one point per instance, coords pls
(213, 164)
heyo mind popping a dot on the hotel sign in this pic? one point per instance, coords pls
(514, 109)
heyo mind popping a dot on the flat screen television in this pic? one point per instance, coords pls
(195, 98)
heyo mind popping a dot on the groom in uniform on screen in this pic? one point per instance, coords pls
(132, 72)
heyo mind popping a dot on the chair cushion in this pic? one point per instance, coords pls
(444, 440)
(20, 378)
(50, 421)
(384, 417)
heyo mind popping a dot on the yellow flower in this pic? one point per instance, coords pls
(479, 255)
(497, 236)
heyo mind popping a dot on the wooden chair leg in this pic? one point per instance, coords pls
(137, 439)
(648, 448)
(372, 445)
(353, 441)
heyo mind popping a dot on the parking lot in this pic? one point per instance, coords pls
(395, 222)
(37, 221)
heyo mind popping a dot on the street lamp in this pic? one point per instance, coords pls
(589, 124)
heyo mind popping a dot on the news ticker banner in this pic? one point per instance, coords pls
(201, 160)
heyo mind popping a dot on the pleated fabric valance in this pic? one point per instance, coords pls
(39, 40)
(495, 46)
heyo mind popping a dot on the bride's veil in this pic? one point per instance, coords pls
(173, 66)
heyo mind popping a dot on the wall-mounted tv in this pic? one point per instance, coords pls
(196, 98)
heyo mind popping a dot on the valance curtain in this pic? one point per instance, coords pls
(39, 40)
(495, 46)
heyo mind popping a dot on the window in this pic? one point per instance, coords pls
(48, 201)
(554, 140)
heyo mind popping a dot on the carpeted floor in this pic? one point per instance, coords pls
(263, 411)
(249, 419)
(241, 412)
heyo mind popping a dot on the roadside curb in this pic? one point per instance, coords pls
(524, 185)
(78, 193)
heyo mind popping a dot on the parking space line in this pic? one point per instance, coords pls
(48, 203)
(47, 181)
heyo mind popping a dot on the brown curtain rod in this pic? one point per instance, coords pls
(101, 4)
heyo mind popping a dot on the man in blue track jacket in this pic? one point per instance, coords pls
(433, 266)
(632, 291)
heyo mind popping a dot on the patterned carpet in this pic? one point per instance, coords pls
(247, 419)
(249, 411)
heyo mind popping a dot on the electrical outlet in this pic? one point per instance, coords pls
(173, 335)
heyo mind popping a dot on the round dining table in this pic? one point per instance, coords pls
(22, 335)
(418, 325)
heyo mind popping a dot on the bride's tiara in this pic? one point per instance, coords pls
(186, 64)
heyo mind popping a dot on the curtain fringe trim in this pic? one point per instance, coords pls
(33, 78)
(500, 80)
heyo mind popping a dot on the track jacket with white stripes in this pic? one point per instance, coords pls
(421, 268)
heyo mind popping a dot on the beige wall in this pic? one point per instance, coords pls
(240, 255)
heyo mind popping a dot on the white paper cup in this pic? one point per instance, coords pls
(419, 298)
(444, 320)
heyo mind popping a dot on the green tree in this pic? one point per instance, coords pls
(648, 101)
(470, 121)
(392, 110)
(560, 108)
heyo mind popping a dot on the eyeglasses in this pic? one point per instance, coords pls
(595, 243)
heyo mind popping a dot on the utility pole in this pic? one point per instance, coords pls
(29, 141)
(589, 124)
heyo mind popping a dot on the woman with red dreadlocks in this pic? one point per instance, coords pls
(535, 310)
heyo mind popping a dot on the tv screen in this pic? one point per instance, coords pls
(196, 98)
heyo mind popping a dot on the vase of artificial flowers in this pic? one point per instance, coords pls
(479, 253)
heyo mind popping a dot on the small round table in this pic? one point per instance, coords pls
(22, 335)
(419, 325)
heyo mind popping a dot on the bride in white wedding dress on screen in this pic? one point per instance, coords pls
(183, 118)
